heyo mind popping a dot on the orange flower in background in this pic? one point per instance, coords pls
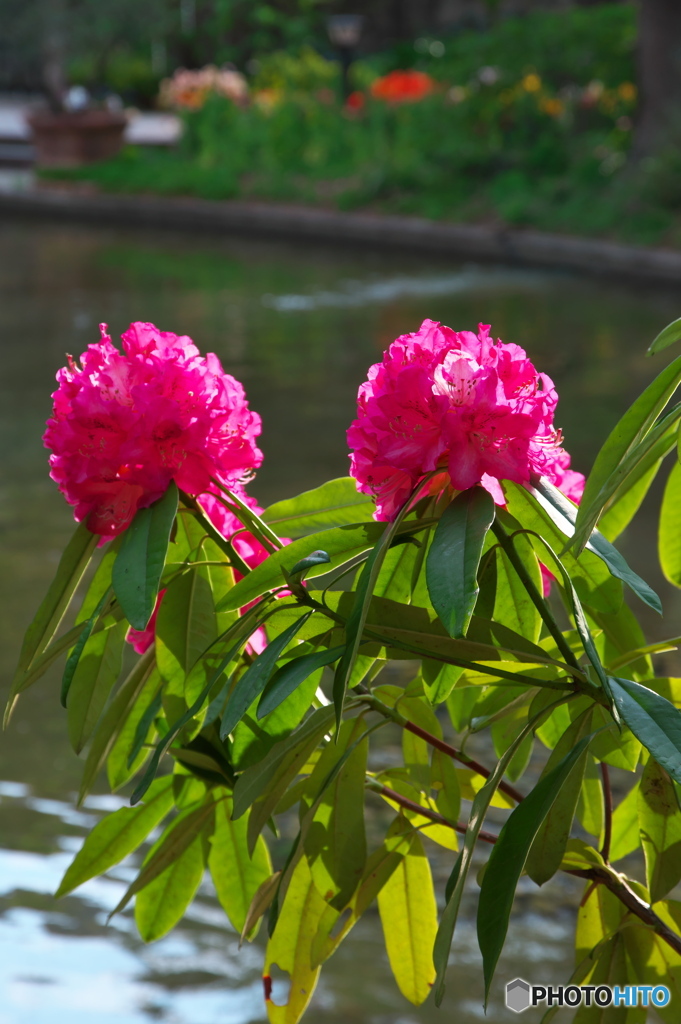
(627, 91)
(403, 87)
(551, 106)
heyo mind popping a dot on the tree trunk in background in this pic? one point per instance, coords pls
(659, 72)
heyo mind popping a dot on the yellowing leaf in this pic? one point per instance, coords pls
(409, 917)
(290, 945)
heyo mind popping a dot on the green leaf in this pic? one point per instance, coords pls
(137, 570)
(549, 845)
(591, 804)
(508, 857)
(669, 536)
(335, 845)
(186, 626)
(128, 753)
(161, 903)
(512, 604)
(454, 557)
(341, 544)
(71, 567)
(564, 514)
(251, 684)
(289, 677)
(623, 439)
(654, 720)
(354, 626)
(408, 912)
(236, 875)
(628, 471)
(113, 721)
(457, 880)
(117, 835)
(93, 679)
(625, 832)
(668, 336)
(335, 503)
(79, 646)
(184, 831)
(659, 818)
(281, 765)
(591, 577)
(290, 946)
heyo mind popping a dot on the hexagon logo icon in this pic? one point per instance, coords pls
(517, 995)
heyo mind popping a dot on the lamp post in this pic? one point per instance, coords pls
(344, 32)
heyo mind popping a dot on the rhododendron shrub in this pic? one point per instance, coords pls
(252, 689)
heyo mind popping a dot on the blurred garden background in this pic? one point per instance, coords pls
(560, 116)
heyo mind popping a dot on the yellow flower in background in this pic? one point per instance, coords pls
(531, 83)
(627, 91)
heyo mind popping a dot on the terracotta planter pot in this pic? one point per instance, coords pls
(72, 139)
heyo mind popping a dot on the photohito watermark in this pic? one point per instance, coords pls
(520, 995)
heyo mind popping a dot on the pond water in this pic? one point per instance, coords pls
(299, 326)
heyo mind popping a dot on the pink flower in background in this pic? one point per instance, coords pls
(459, 402)
(125, 424)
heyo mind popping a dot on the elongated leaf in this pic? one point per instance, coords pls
(97, 671)
(508, 856)
(290, 946)
(113, 721)
(565, 514)
(252, 683)
(550, 842)
(236, 875)
(335, 845)
(281, 764)
(137, 570)
(335, 503)
(408, 912)
(669, 536)
(163, 901)
(629, 469)
(512, 604)
(289, 677)
(360, 609)
(78, 648)
(129, 753)
(591, 577)
(335, 925)
(625, 832)
(627, 433)
(117, 835)
(341, 544)
(457, 879)
(181, 833)
(653, 719)
(668, 336)
(69, 573)
(186, 625)
(259, 905)
(454, 557)
(659, 818)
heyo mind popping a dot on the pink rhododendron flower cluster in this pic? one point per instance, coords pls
(125, 424)
(461, 403)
